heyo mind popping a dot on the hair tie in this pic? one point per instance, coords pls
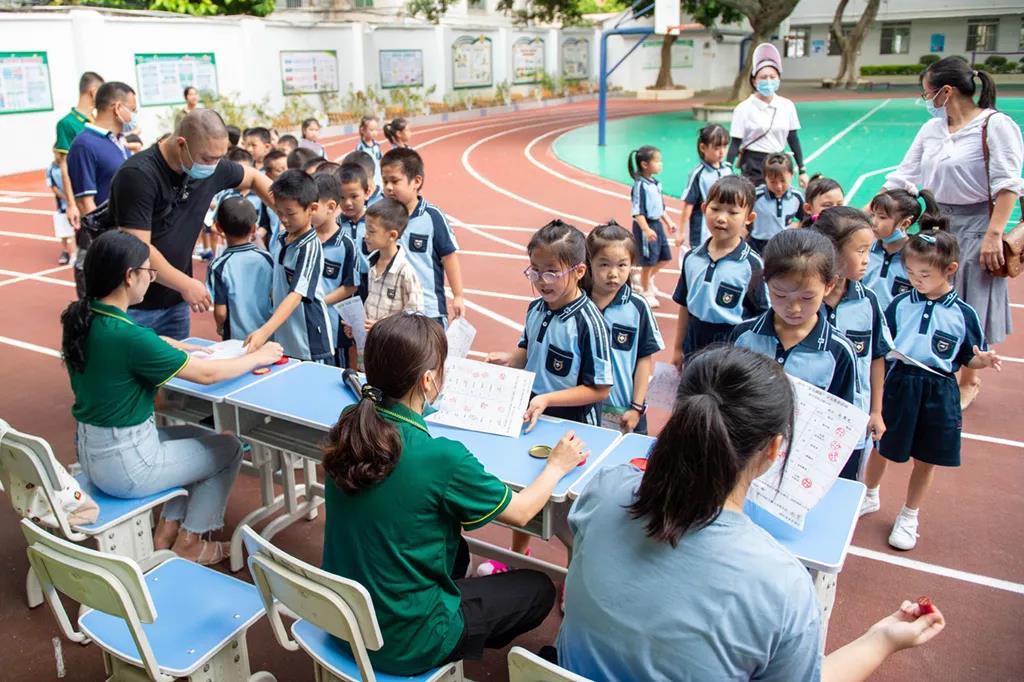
(922, 204)
(974, 73)
(374, 395)
(927, 238)
(814, 217)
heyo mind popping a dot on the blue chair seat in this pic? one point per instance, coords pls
(198, 611)
(115, 509)
(336, 655)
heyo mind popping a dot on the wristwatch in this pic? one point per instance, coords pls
(641, 408)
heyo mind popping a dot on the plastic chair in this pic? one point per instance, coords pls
(337, 624)
(524, 666)
(124, 526)
(180, 620)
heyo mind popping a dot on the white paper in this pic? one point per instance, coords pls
(61, 226)
(826, 430)
(222, 350)
(664, 385)
(481, 397)
(460, 338)
(900, 357)
(611, 420)
(354, 315)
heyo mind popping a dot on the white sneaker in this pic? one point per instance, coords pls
(904, 532)
(870, 503)
(652, 299)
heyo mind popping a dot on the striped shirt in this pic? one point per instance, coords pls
(395, 289)
(634, 335)
(307, 334)
(428, 238)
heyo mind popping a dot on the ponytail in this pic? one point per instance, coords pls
(987, 98)
(958, 74)
(934, 242)
(637, 158)
(392, 129)
(899, 204)
(601, 237)
(631, 165)
(76, 321)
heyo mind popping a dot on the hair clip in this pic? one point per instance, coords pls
(374, 395)
(927, 237)
(922, 204)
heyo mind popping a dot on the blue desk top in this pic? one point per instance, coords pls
(828, 528)
(310, 394)
(217, 392)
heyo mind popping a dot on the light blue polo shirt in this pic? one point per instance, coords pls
(634, 334)
(356, 231)
(824, 357)
(339, 261)
(647, 199)
(696, 192)
(940, 334)
(377, 195)
(726, 291)
(427, 239)
(774, 213)
(566, 348)
(242, 278)
(886, 275)
(727, 603)
(373, 150)
(307, 334)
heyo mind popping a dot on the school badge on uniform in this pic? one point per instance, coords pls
(558, 365)
(728, 298)
(621, 338)
(392, 293)
(942, 346)
(859, 346)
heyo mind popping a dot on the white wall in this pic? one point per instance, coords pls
(714, 63)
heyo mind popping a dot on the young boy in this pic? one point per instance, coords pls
(428, 239)
(355, 191)
(61, 227)
(393, 284)
(777, 203)
(339, 251)
(287, 144)
(275, 163)
(369, 166)
(210, 241)
(257, 142)
(300, 323)
(241, 278)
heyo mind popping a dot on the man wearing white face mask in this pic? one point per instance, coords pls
(161, 196)
(97, 154)
(765, 122)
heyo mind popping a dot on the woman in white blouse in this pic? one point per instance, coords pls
(947, 158)
(765, 122)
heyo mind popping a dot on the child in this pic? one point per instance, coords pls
(257, 142)
(397, 132)
(935, 328)
(300, 323)
(393, 285)
(339, 252)
(240, 279)
(298, 158)
(800, 270)
(234, 135)
(61, 227)
(428, 239)
(370, 167)
(287, 144)
(722, 280)
(635, 336)
(777, 204)
(564, 342)
(648, 214)
(368, 127)
(893, 212)
(712, 145)
(275, 163)
(311, 166)
(355, 192)
(311, 136)
(853, 309)
(210, 238)
(820, 193)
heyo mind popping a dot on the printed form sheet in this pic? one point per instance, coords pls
(480, 397)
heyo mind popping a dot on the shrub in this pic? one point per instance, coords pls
(892, 70)
(995, 61)
(928, 59)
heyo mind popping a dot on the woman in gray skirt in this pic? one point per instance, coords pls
(947, 158)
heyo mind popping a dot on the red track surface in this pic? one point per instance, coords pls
(478, 173)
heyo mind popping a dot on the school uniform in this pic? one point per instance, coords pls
(824, 358)
(428, 238)
(634, 335)
(266, 219)
(565, 348)
(242, 278)
(858, 316)
(774, 214)
(374, 150)
(718, 295)
(307, 334)
(340, 255)
(355, 230)
(696, 193)
(921, 409)
(377, 195)
(647, 201)
(886, 275)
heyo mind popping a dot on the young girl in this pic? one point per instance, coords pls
(564, 342)
(397, 132)
(712, 144)
(800, 270)
(853, 309)
(893, 212)
(648, 215)
(635, 336)
(939, 333)
(368, 126)
(722, 281)
(777, 203)
(820, 193)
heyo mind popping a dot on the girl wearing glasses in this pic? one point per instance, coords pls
(115, 367)
(565, 341)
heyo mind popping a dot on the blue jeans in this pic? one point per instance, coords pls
(135, 461)
(174, 322)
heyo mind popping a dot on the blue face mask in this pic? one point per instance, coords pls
(198, 171)
(131, 124)
(896, 235)
(429, 405)
(768, 87)
(936, 112)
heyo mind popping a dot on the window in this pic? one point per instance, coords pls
(476, 4)
(1020, 43)
(798, 42)
(362, 4)
(895, 39)
(833, 47)
(981, 35)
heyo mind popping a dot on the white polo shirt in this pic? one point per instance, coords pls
(752, 118)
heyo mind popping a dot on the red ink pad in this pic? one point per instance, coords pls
(261, 370)
(640, 463)
(282, 361)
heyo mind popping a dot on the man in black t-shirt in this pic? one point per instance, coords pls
(161, 196)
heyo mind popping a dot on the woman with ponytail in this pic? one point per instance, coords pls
(116, 367)
(970, 156)
(399, 499)
(671, 579)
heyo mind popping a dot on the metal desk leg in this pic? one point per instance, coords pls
(294, 510)
(825, 588)
(263, 465)
(308, 485)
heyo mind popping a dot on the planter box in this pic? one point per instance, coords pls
(711, 113)
(674, 95)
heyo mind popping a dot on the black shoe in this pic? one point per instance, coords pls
(64, 258)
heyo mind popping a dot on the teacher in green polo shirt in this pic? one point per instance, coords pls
(116, 367)
(398, 501)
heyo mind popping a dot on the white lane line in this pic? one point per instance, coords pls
(528, 152)
(842, 133)
(494, 254)
(36, 276)
(506, 228)
(26, 211)
(16, 193)
(24, 345)
(1006, 359)
(860, 181)
(494, 238)
(497, 317)
(935, 569)
(993, 440)
(498, 294)
(1017, 305)
(23, 235)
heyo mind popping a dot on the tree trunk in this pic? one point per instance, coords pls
(850, 44)
(741, 85)
(664, 80)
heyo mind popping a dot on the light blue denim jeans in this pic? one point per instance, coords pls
(135, 461)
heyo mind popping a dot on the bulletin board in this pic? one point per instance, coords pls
(527, 60)
(472, 62)
(401, 68)
(24, 83)
(576, 59)
(163, 77)
(309, 71)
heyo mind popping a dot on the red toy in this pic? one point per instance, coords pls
(282, 361)
(926, 605)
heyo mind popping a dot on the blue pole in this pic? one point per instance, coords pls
(602, 92)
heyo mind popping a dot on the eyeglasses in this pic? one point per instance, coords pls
(151, 271)
(535, 275)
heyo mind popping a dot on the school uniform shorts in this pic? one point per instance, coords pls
(701, 334)
(652, 252)
(922, 417)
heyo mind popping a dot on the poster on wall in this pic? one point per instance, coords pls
(818, 48)
(24, 83)
(937, 43)
(401, 68)
(472, 66)
(575, 59)
(309, 71)
(527, 60)
(162, 78)
(682, 54)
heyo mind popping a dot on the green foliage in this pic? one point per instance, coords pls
(927, 60)
(592, 6)
(236, 112)
(412, 101)
(995, 61)
(565, 12)
(201, 8)
(503, 92)
(892, 70)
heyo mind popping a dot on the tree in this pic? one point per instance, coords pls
(850, 43)
(764, 17)
(566, 12)
(257, 8)
(707, 13)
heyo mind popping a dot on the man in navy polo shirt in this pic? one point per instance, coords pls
(97, 152)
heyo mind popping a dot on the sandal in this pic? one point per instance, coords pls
(211, 553)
